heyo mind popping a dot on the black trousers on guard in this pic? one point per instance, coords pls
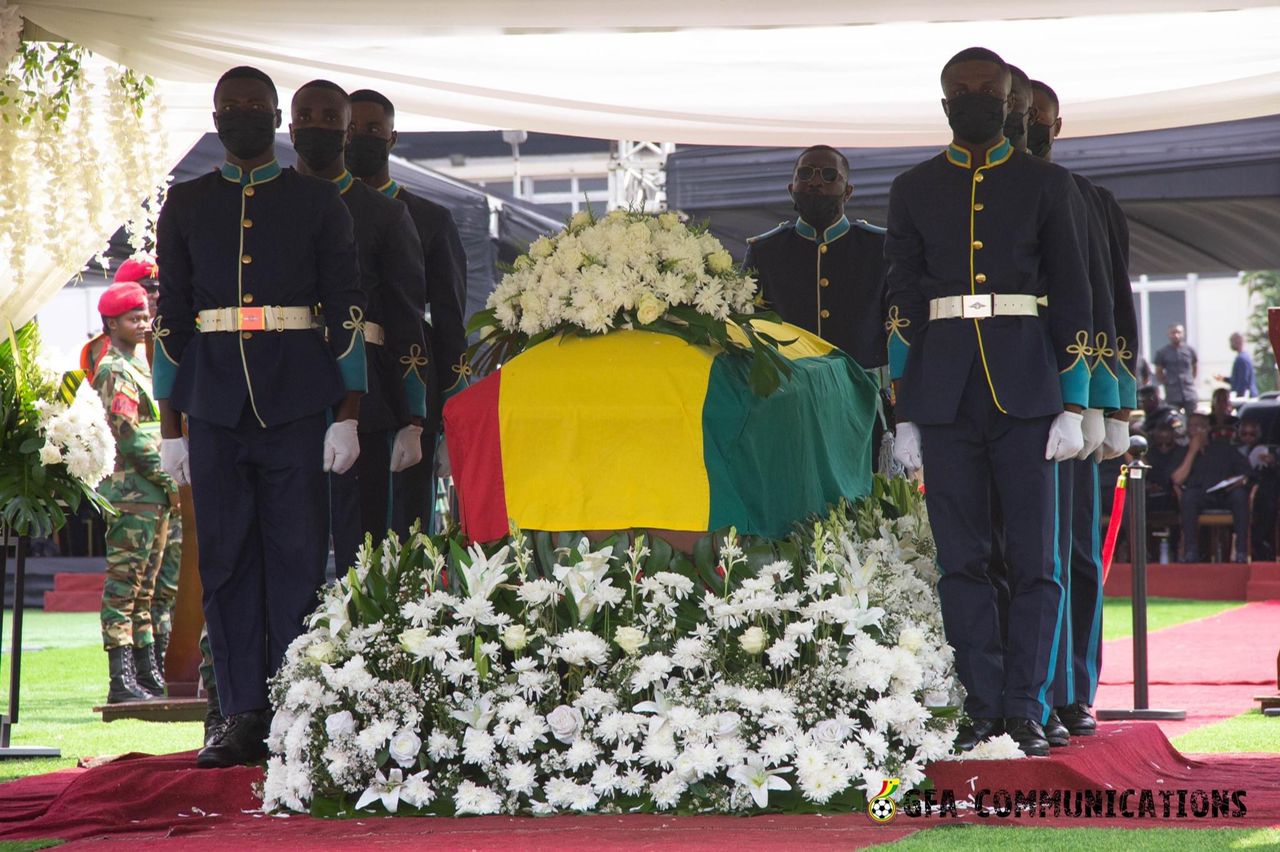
(413, 491)
(962, 459)
(360, 499)
(262, 526)
(1084, 589)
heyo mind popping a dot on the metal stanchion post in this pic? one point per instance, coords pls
(1138, 550)
(8, 720)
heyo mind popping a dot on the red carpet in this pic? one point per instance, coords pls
(166, 800)
(1212, 668)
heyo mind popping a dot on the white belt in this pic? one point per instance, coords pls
(265, 318)
(983, 305)
(374, 333)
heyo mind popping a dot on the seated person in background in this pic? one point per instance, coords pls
(1153, 410)
(1266, 476)
(1213, 475)
(1164, 456)
(1222, 418)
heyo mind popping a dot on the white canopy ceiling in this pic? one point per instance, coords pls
(712, 72)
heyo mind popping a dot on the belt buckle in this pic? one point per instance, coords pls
(977, 306)
(252, 319)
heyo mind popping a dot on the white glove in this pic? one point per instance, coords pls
(906, 446)
(341, 446)
(407, 449)
(1065, 438)
(174, 459)
(443, 469)
(1094, 432)
(1116, 443)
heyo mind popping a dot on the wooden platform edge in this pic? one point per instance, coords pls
(156, 710)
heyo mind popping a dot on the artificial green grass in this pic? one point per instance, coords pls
(1117, 614)
(985, 838)
(60, 687)
(28, 845)
(1247, 732)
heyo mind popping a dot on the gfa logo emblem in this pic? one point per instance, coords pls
(882, 808)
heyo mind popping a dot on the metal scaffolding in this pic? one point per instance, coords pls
(637, 175)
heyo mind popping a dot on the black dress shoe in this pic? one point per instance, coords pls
(1078, 719)
(977, 731)
(1029, 736)
(243, 741)
(1056, 732)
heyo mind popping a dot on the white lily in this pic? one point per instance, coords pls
(759, 780)
(485, 573)
(477, 716)
(584, 580)
(660, 707)
(385, 787)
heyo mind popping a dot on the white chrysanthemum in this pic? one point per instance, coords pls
(474, 799)
(580, 647)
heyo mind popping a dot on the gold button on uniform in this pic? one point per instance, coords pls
(977, 244)
(822, 282)
(824, 313)
(245, 335)
(247, 223)
(822, 249)
(980, 278)
(978, 177)
(978, 207)
(248, 298)
(246, 259)
(248, 190)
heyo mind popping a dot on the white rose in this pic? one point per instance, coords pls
(338, 724)
(565, 722)
(719, 261)
(630, 639)
(650, 309)
(753, 640)
(50, 454)
(911, 639)
(320, 652)
(515, 637)
(414, 640)
(829, 732)
(405, 746)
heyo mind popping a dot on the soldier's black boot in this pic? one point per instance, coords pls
(124, 687)
(214, 721)
(145, 673)
(243, 741)
(159, 649)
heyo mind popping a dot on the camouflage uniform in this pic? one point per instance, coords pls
(166, 590)
(140, 491)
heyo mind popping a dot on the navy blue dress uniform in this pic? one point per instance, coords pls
(446, 271)
(254, 269)
(974, 249)
(393, 281)
(831, 284)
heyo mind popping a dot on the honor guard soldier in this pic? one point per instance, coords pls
(989, 387)
(141, 492)
(1112, 396)
(257, 266)
(391, 275)
(144, 272)
(374, 117)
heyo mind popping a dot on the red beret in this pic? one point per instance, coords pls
(136, 270)
(120, 298)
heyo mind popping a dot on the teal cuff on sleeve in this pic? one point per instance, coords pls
(1074, 382)
(415, 393)
(1127, 389)
(898, 351)
(163, 372)
(1104, 389)
(352, 365)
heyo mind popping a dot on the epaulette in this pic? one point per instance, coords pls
(867, 226)
(781, 226)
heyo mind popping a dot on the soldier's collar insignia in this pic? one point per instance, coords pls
(958, 156)
(261, 174)
(390, 189)
(344, 181)
(831, 234)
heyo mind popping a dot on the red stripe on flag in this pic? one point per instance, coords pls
(474, 437)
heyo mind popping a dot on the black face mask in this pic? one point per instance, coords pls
(318, 146)
(246, 133)
(1039, 139)
(820, 211)
(975, 117)
(1014, 128)
(366, 155)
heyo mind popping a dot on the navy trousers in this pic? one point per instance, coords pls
(263, 532)
(962, 459)
(413, 491)
(360, 499)
(1082, 657)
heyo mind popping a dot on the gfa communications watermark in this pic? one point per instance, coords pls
(1107, 803)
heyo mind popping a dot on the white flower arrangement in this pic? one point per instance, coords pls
(628, 270)
(780, 675)
(77, 435)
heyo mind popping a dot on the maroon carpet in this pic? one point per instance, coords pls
(166, 800)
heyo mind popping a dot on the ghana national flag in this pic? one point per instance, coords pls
(641, 429)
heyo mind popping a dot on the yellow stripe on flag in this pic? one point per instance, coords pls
(799, 343)
(605, 433)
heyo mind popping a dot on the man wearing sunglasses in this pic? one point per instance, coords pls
(823, 272)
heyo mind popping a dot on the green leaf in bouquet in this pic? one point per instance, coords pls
(333, 807)
(481, 659)
(764, 378)
(544, 552)
(660, 553)
(29, 446)
(480, 320)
